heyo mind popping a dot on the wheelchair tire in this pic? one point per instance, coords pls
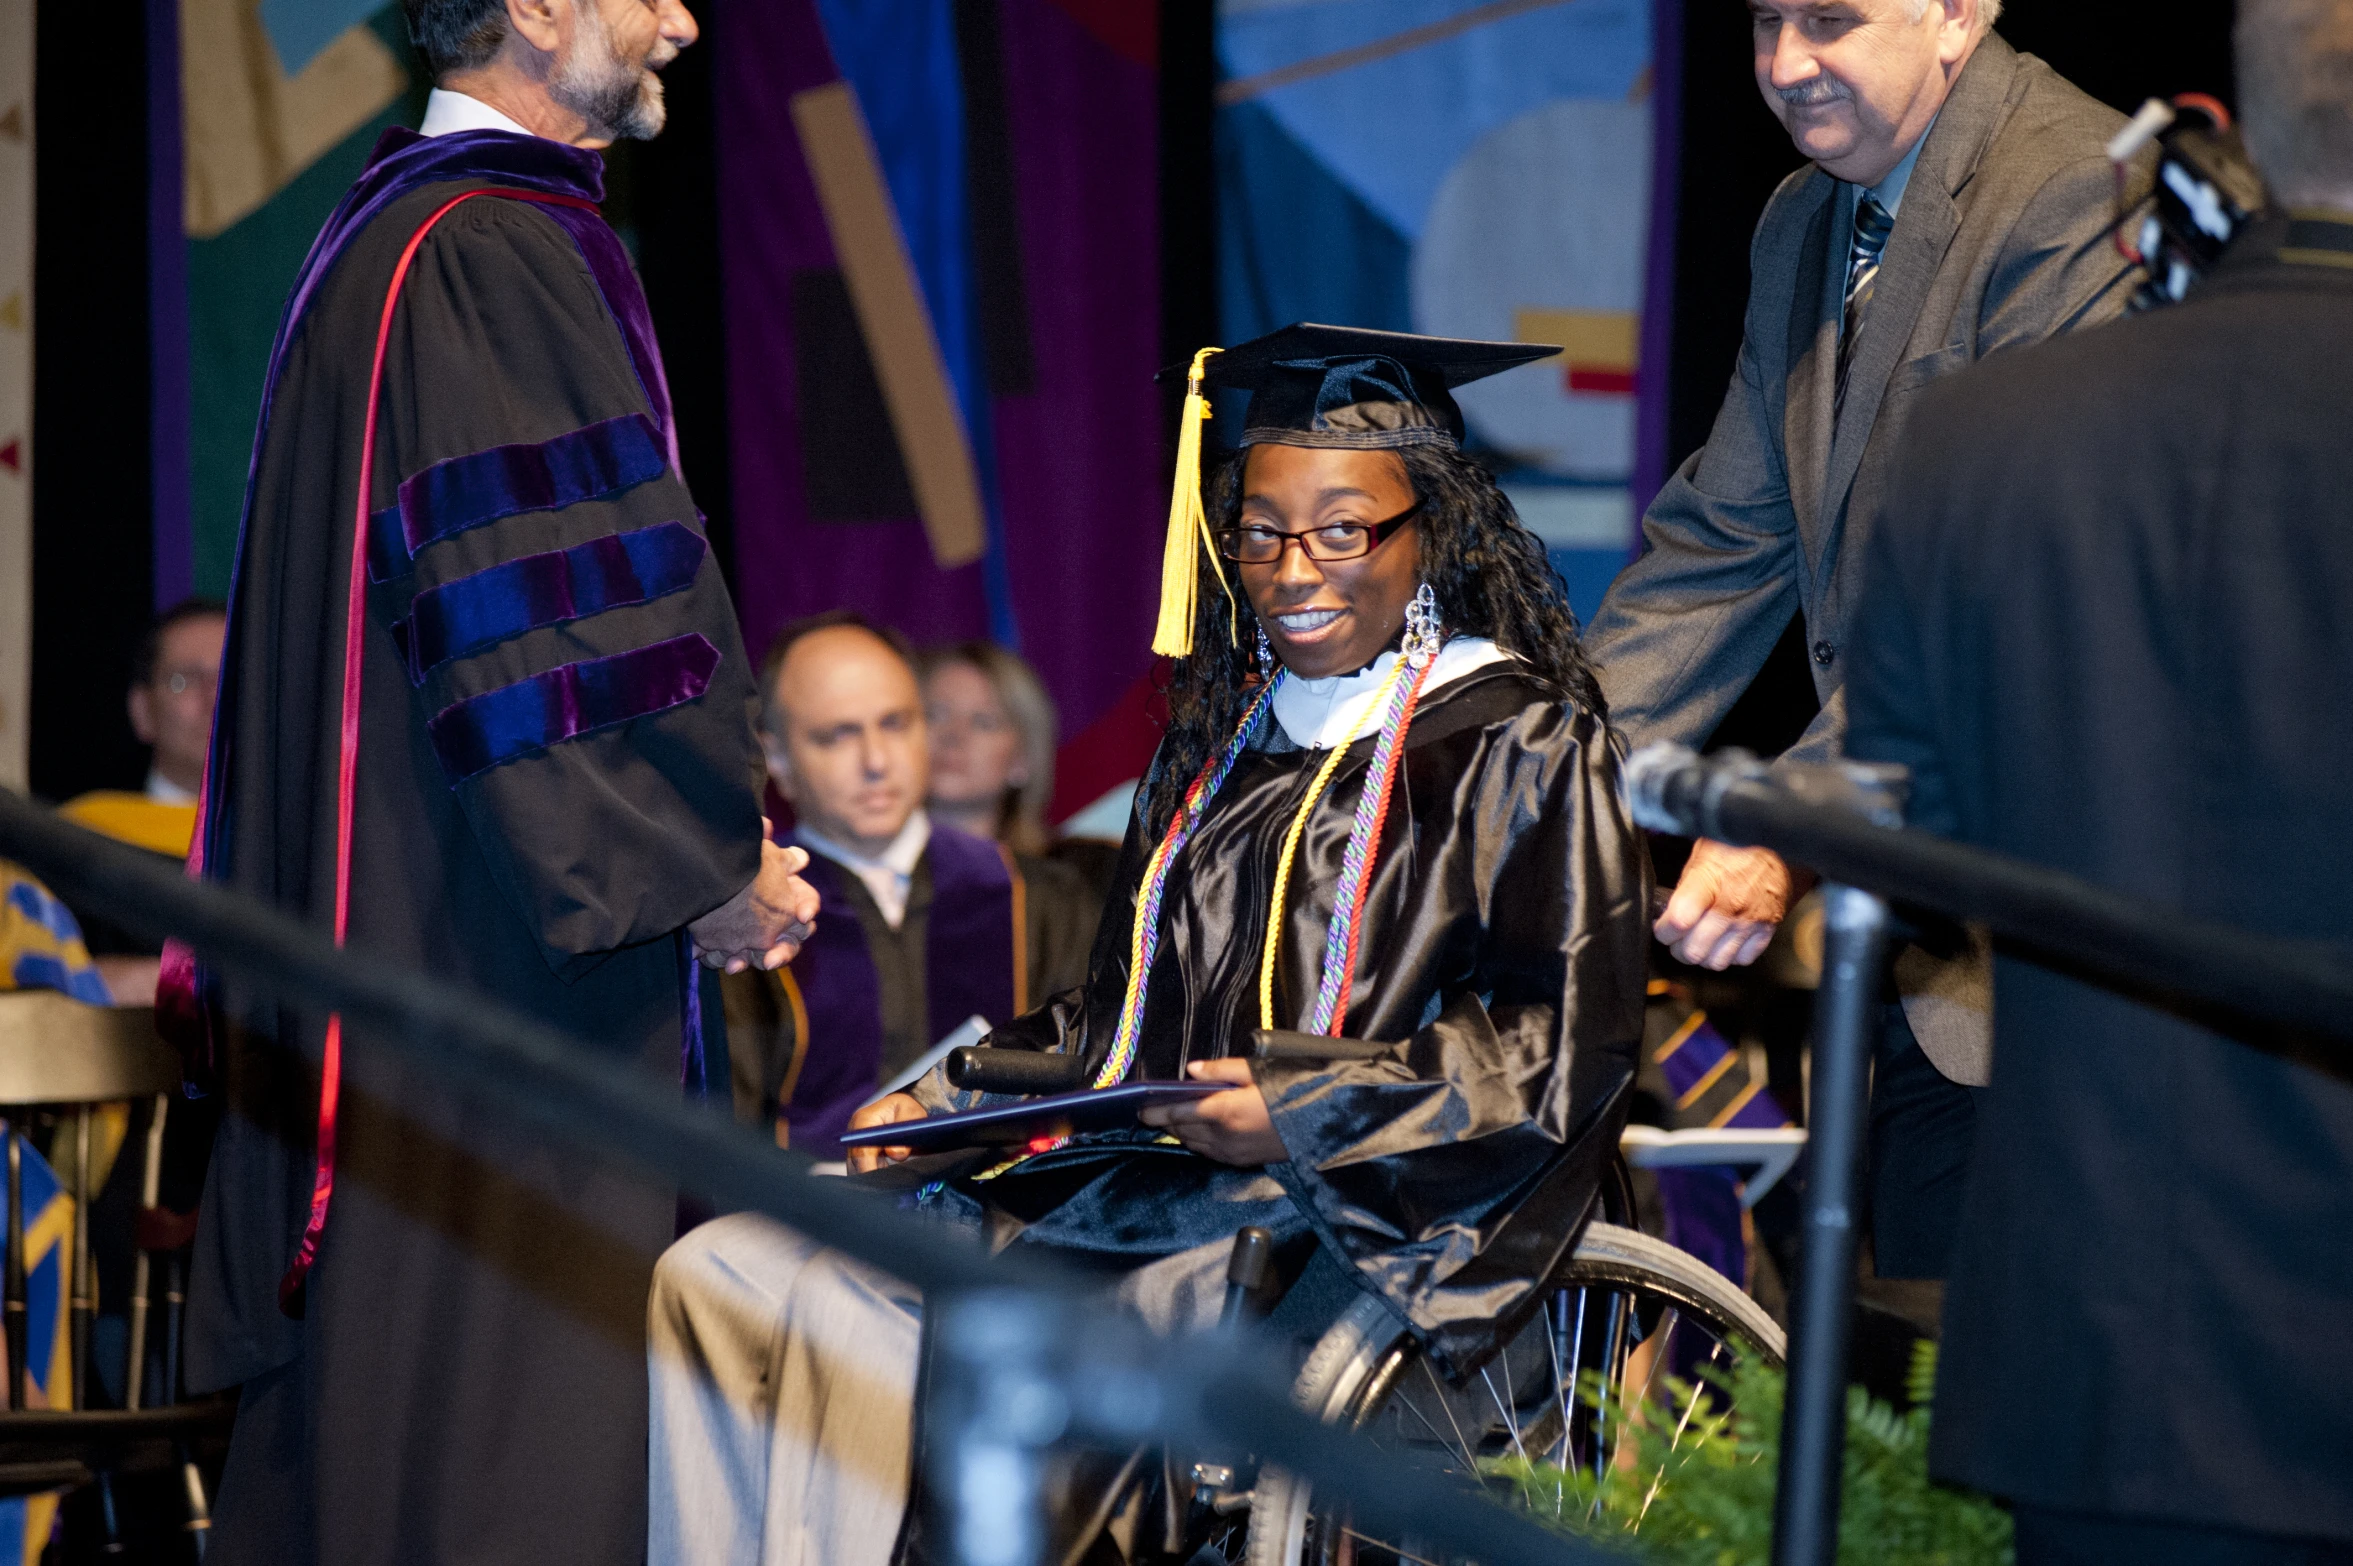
(1359, 1363)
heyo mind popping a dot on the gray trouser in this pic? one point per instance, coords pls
(783, 1380)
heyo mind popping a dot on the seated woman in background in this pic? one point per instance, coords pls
(993, 734)
(1387, 806)
(992, 744)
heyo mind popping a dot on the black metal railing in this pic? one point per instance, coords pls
(1011, 1320)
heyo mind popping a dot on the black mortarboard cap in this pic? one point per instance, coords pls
(1313, 385)
(1346, 386)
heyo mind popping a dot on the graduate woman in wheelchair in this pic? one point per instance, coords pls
(1386, 813)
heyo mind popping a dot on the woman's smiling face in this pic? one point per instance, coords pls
(1327, 617)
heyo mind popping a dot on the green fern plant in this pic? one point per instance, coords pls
(1698, 1490)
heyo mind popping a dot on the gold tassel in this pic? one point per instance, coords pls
(1173, 636)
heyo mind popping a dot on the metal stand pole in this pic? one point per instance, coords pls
(142, 1279)
(1813, 1421)
(12, 1296)
(85, 1290)
(996, 1404)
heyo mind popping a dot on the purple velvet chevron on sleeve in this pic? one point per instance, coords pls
(484, 731)
(515, 596)
(465, 492)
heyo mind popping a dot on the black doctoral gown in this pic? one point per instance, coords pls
(467, 1382)
(1502, 956)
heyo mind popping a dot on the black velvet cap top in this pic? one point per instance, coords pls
(1345, 386)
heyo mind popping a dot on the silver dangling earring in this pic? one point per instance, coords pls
(1266, 656)
(1424, 634)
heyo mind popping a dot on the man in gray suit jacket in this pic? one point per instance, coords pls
(1957, 204)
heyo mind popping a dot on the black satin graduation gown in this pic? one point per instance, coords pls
(1503, 956)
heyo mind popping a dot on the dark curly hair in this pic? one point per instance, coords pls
(1489, 574)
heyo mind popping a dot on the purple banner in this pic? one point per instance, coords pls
(823, 514)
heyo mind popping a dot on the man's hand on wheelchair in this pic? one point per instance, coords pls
(883, 1112)
(1726, 906)
(1233, 1128)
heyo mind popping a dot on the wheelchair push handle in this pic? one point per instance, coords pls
(1247, 1267)
(977, 1068)
(1283, 1044)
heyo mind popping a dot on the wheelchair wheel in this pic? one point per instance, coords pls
(1627, 1306)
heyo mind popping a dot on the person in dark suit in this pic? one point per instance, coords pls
(2105, 625)
(1957, 205)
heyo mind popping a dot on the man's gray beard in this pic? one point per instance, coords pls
(618, 100)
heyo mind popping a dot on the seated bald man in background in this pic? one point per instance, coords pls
(924, 926)
(1956, 205)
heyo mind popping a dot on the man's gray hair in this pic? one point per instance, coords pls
(2296, 97)
(1988, 11)
(456, 35)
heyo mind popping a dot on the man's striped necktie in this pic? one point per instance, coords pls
(1873, 223)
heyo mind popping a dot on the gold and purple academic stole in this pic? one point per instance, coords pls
(973, 964)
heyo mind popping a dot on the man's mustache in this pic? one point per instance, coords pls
(1814, 94)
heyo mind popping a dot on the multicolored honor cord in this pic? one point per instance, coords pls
(1396, 700)
(1144, 939)
(1384, 701)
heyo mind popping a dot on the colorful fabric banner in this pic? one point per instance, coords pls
(265, 153)
(940, 247)
(251, 125)
(1469, 168)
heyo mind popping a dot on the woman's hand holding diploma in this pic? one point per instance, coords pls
(887, 1111)
(1233, 1128)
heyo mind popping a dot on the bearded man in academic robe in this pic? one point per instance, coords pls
(1387, 809)
(484, 712)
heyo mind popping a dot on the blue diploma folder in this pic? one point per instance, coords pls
(1034, 1119)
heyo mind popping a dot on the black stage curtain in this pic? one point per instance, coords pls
(93, 539)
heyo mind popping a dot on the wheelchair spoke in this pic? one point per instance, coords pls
(1510, 1422)
(1552, 1330)
(1660, 1343)
(1470, 1460)
(1681, 1425)
(1436, 1434)
(1382, 1544)
(1608, 1378)
(1568, 1421)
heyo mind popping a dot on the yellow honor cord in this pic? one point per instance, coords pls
(1315, 792)
(1172, 636)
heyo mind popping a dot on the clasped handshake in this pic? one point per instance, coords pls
(763, 925)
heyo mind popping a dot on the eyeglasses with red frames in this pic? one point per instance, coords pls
(1257, 543)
